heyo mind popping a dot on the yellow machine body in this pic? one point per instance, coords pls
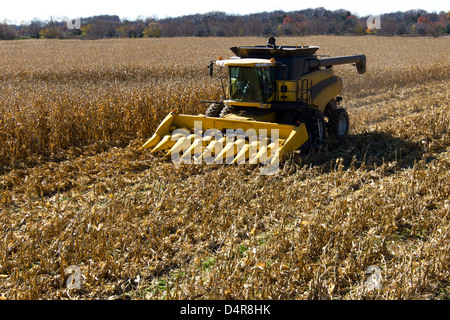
(275, 103)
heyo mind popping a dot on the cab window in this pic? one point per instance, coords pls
(251, 84)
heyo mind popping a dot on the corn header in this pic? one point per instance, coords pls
(278, 99)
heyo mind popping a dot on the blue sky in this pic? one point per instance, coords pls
(18, 11)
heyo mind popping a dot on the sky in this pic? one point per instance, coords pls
(17, 11)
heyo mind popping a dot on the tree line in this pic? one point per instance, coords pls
(317, 21)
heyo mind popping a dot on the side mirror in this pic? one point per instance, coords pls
(211, 68)
(361, 65)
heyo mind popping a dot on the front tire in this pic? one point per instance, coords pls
(226, 111)
(338, 123)
(318, 128)
(315, 125)
(214, 109)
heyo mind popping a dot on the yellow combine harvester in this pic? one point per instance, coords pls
(278, 100)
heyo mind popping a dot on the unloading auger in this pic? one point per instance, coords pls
(278, 99)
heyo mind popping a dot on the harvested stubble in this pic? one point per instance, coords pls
(75, 191)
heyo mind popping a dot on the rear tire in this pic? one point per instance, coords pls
(214, 110)
(338, 123)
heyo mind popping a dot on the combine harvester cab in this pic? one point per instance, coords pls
(278, 100)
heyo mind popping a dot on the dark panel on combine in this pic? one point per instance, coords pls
(278, 52)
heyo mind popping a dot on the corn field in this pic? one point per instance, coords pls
(76, 193)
